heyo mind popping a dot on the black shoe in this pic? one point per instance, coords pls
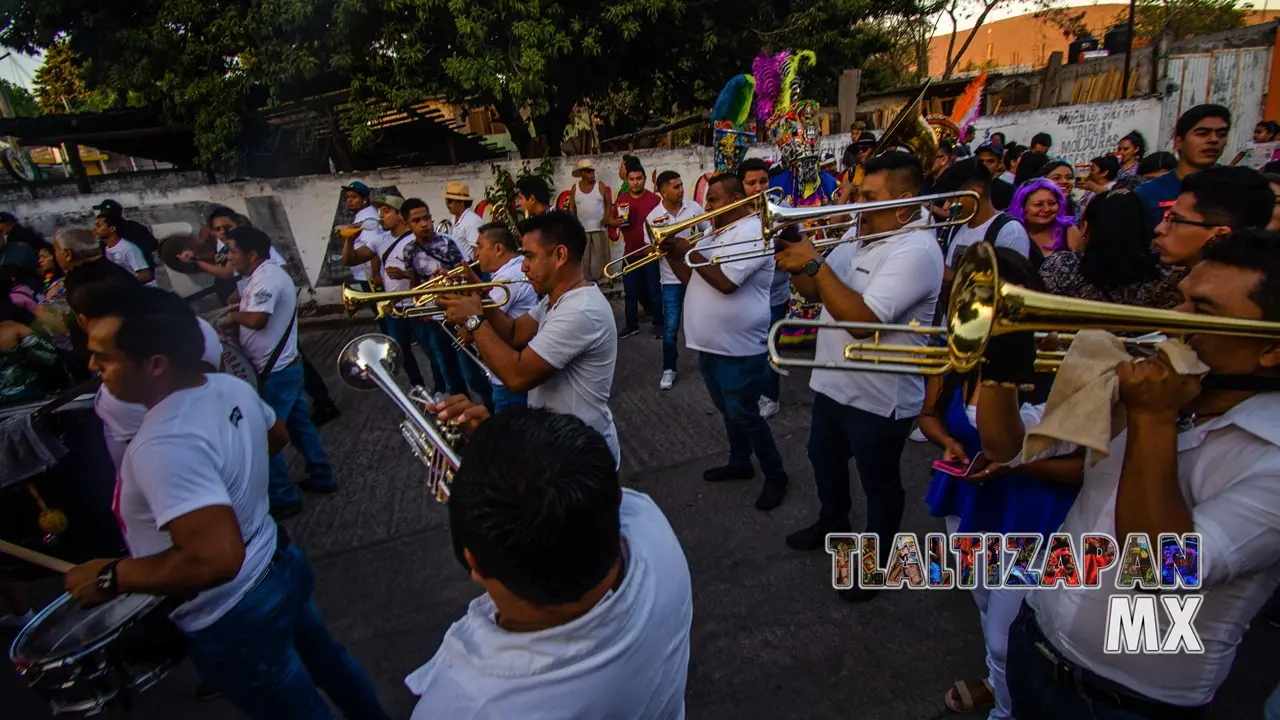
(627, 332)
(311, 486)
(771, 495)
(856, 594)
(204, 693)
(812, 537)
(283, 511)
(324, 413)
(729, 472)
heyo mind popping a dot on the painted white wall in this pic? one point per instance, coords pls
(1080, 132)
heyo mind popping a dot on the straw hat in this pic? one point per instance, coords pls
(457, 191)
(583, 164)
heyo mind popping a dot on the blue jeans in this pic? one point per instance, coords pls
(1271, 711)
(434, 341)
(772, 380)
(476, 379)
(672, 307)
(504, 398)
(282, 390)
(642, 286)
(1038, 695)
(271, 654)
(401, 330)
(734, 386)
(838, 433)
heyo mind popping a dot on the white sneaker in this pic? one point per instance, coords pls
(668, 379)
(768, 408)
(917, 435)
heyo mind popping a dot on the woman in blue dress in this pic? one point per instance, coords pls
(1032, 498)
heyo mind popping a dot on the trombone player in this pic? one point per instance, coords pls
(866, 416)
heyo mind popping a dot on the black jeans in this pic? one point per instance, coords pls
(642, 286)
(839, 433)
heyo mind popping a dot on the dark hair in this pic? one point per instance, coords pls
(1012, 153)
(1042, 138)
(628, 160)
(1029, 167)
(535, 188)
(633, 166)
(413, 204)
(1108, 164)
(95, 272)
(732, 184)
(226, 212)
(558, 227)
(157, 322)
(1270, 126)
(1192, 117)
(1258, 250)
(1139, 142)
(1238, 197)
(499, 234)
(665, 177)
(903, 167)
(110, 220)
(1272, 167)
(535, 502)
(1157, 161)
(754, 164)
(1002, 138)
(1017, 269)
(1118, 251)
(94, 299)
(967, 172)
(250, 239)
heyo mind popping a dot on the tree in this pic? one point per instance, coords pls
(20, 99)
(60, 86)
(1185, 18)
(209, 65)
(963, 10)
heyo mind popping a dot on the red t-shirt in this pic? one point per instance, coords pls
(633, 210)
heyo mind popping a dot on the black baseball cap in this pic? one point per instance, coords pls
(109, 207)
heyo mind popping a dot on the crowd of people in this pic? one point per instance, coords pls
(588, 599)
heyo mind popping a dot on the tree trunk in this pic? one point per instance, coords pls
(516, 127)
(951, 64)
(951, 44)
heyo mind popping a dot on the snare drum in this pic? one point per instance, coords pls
(236, 362)
(71, 656)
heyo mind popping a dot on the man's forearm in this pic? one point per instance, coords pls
(713, 275)
(173, 573)
(501, 358)
(502, 324)
(1000, 428)
(1149, 499)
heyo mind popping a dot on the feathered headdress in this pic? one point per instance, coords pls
(969, 104)
(734, 102)
(767, 69)
(791, 82)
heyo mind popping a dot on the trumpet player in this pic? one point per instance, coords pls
(498, 254)
(866, 416)
(563, 351)
(726, 318)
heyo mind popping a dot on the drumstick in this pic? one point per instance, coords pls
(47, 562)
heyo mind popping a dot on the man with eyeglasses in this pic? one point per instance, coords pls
(1210, 205)
(1199, 139)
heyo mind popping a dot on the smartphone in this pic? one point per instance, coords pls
(956, 469)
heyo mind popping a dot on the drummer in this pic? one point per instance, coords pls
(192, 501)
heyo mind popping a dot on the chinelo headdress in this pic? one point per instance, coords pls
(732, 121)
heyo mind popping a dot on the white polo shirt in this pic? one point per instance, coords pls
(579, 338)
(523, 298)
(130, 257)
(1229, 472)
(371, 235)
(661, 217)
(737, 324)
(898, 278)
(270, 290)
(628, 657)
(201, 447)
(465, 229)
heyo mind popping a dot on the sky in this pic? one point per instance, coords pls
(20, 69)
(1010, 9)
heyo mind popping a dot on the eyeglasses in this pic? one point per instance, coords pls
(1169, 217)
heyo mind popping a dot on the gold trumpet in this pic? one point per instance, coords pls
(983, 306)
(424, 305)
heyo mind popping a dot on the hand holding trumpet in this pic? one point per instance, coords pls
(460, 412)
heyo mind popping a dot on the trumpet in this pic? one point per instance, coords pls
(371, 361)
(423, 296)
(774, 218)
(983, 306)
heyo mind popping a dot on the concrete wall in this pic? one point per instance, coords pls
(1081, 132)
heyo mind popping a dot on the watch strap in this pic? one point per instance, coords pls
(107, 580)
(812, 267)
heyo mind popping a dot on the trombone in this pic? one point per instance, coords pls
(774, 218)
(983, 306)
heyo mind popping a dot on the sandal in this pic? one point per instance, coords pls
(960, 699)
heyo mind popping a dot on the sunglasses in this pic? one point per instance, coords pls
(1169, 217)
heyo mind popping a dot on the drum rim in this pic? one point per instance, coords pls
(56, 661)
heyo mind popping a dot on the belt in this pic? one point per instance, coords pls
(1099, 689)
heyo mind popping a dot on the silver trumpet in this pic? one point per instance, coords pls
(465, 348)
(371, 361)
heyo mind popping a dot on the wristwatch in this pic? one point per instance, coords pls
(473, 323)
(107, 581)
(811, 268)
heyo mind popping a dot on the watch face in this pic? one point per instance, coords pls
(473, 322)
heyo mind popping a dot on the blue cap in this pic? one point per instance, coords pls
(357, 187)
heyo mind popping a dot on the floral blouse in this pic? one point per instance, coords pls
(1062, 276)
(31, 369)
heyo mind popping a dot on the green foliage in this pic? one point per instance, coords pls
(500, 195)
(1185, 18)
(23, 102)
(60, 86)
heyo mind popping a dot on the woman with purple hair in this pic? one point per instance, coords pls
(1042, 209)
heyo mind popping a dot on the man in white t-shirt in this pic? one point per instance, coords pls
(726, 319)
(192, 503)
(267, 321)
(365, 231)
(986, 224)
(1196, 455)
(498, 254)
(587, 606)
(673, 208)
(592, 202)
(564, 350)
(464, 227)
(866, 416)
(121, 251)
